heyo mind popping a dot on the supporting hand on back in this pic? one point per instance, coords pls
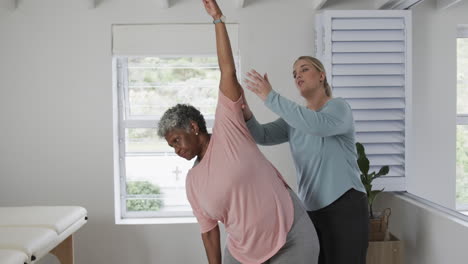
(246, 110)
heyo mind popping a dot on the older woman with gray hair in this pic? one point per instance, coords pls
(178, 122)
(232, 182)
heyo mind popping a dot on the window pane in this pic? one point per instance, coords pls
(164, 178)
(462, 165)
(155, 84)
(153, 196)
(144, 140)
(154, 174)
(462, 75)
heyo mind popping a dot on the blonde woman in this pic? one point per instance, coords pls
(322, 141)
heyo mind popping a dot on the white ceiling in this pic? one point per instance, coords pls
(316, 4)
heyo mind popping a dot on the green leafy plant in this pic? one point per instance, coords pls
(143, 188)
(367, 178)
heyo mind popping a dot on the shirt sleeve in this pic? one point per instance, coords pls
(334, 118)
(233, 109)
(229, 118)
(268, 134)
(206, 223)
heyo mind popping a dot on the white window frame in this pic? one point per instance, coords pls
(122, 215)
(121, 110)
(462, 118)
(156, 40)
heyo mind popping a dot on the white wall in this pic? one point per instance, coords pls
(56, 108)
(432, 149)
(429, 236)
(56, 113)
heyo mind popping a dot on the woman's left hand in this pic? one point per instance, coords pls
(258, 84)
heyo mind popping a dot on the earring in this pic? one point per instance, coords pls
(196, 134)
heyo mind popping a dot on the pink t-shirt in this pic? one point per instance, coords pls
(236, 185)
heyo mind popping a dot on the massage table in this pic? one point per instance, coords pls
(29, 233)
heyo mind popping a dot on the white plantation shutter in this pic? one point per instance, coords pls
(367, 55)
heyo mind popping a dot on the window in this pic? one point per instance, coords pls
(152, 176)
(155, 67)
(462, 120)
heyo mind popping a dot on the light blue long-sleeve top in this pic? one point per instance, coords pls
(322, 143)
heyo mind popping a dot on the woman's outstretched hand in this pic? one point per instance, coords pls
(258, 84)
(212, 9)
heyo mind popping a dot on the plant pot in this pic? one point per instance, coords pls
(378, 225)
(385, 252)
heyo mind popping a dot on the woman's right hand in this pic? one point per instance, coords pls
(246, 110)
(258, 84)
(212, 9)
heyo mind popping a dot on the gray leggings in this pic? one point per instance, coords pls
(302, 244)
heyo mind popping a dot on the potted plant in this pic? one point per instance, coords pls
(378, 222)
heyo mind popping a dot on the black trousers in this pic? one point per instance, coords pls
(343, 229)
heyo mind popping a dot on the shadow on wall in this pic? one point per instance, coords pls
(411, 229)
(49, 259)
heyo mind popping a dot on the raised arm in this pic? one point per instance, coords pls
(335, 118)
(229, 84)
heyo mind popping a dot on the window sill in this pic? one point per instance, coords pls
(155, 221)
(456, 216)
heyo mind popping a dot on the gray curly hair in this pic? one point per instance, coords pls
(179, 117)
